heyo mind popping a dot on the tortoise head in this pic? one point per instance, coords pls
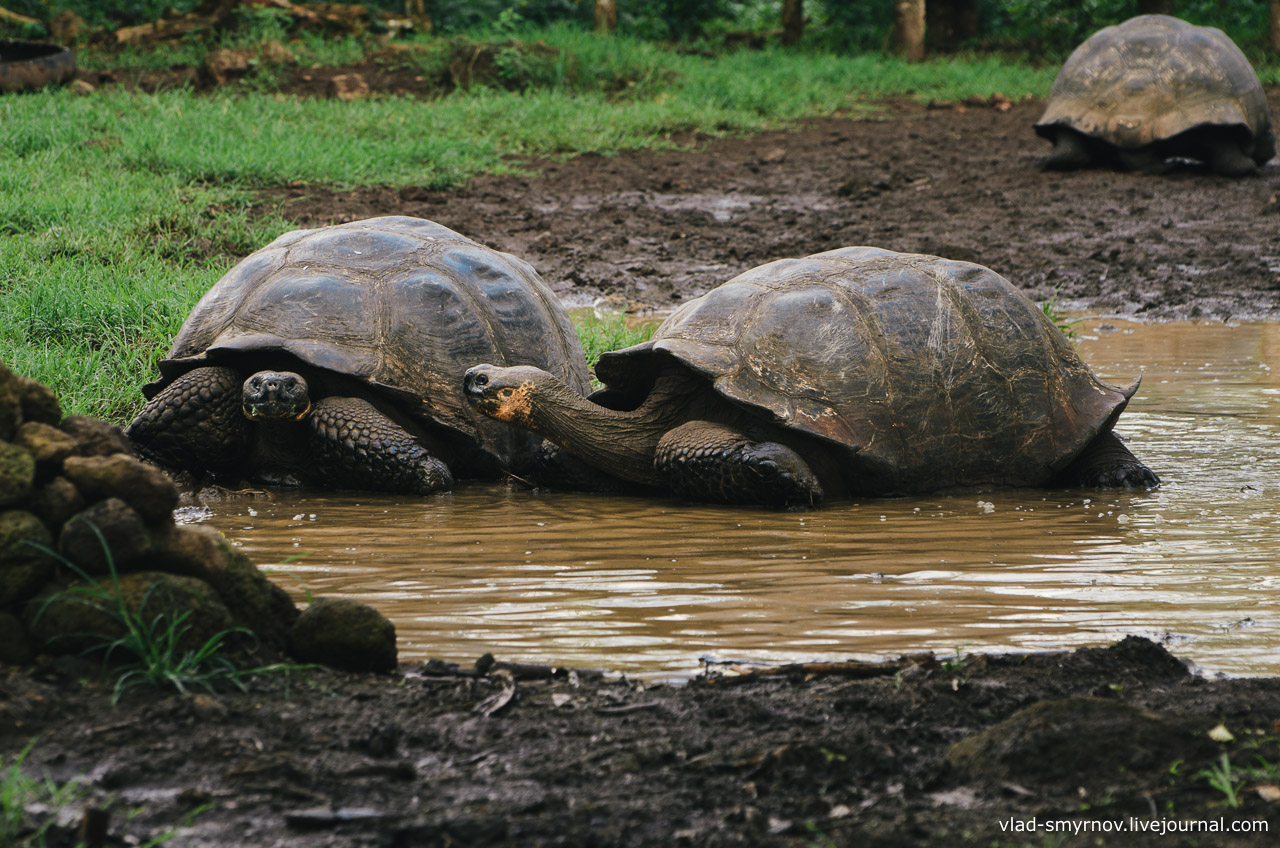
(275, 396)
(507, 394)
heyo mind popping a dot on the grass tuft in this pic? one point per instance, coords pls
(604, 331)
(153, 647)
(20, 793)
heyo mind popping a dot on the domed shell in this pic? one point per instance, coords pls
(403, 304)
(929, 373)
(1153, 77)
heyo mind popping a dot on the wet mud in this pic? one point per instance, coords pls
(1121, 737)
(803, 755)
(651, 229)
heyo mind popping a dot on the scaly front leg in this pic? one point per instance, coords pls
(711, 462)
(196, 423)
(354, 446)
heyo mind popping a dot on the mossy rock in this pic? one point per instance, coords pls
(47, 444)
(39, 403)
(200, 551)
(23, 568)
(95, 436)
(144, 487)
(124, 537)
(14, 647)
(10, 404)
(85, 616)
(1071, 742)
(17, 474)
(345, 634)
(56, 501)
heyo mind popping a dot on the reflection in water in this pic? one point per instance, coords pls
(649, 586)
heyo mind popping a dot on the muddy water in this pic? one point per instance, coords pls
(651, 586)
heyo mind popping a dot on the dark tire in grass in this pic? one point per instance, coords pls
(29, 65)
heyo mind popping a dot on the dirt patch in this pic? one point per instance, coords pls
(652, 229)
(794, 757)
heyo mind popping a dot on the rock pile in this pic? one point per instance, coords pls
(72, 490)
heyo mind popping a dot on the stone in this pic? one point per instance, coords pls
(56, 501)
(81, 87)
(67, 28)
(200, 551)
(14, 647)
(47, 444)
(275, 53)
(24, 568)
(144, 487)
(1089, 741)
(345, 634)
(89, 615)
(224, 64)
(122, 530)
(10, 404)
(348, 87)
(96, 437)
(39, 403)
(17, 474)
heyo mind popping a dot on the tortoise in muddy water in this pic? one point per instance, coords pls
(334, 357)
(854, 372)
(1156, 88)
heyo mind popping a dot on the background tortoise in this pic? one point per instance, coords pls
(335, 357)
(1155, 88)
(857, 371)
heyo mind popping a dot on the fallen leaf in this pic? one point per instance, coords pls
(1221, 734)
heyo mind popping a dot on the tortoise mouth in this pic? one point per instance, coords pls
(276, 411)
(275, 396)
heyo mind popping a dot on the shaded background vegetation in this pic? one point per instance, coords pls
(1041, 29)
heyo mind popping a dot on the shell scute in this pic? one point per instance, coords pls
(403, 304)
(929, 373)
(1154, 77)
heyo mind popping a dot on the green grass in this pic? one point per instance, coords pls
(118, 210)
(30, 807)
(150, 648)
(19, 792)
(600, 332)
(1223, 777)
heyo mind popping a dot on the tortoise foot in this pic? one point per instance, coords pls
(1128, 475)
(1069, 153)
(195, 424)
(711, 462)
(1228, 160)
(1144, 160)
(353, 445)
(1107, 463)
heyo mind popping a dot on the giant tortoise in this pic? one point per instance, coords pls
(334, 357)
(858, 371)
(1154, 89)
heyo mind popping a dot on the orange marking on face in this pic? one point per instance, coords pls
(303, 414)
(515, 405)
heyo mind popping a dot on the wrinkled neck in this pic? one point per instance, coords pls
(619, 443)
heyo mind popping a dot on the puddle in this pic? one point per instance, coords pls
(720, 206)
(650, 586)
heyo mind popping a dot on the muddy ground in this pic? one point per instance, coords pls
(799, 757)
(442, 755)
(650, 230)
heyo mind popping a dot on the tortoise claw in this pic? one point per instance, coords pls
(1128, 475)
